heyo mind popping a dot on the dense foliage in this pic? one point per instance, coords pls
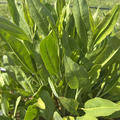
(60, 62)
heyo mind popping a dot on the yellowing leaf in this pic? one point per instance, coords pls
(40, 104)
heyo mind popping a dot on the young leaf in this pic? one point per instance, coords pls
(4, 105)
(91, 20)
(106, 26)
(109, 51)
(17, 103)
(40, 104)
(13, 11)
(31, 113)
(52, 87)
(100, 107)
(56, 116)
(81, 30)
(49, 53)
(48, 112)
(70, 105)
(59, 6)
(84, 10)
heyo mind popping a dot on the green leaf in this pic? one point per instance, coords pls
(48, 112)
(86, 117)
(40, 22)
(39, 14)
(22, 22)
(84, 10)
(12, 29)
(52, 87)
(5, 118)
(59, 6)
(91, 20)
(21, 51)
(69, 118)
(4, 105)
(94, 73)
(18, 15)
(13, 11)
(18, 76)
(4, 80)
(49, 53)
(70, 105)
(81, 30)
(40, 104)
(100, 107)
(17, 103)
(106, 26)
(57, 116)
(109, 51)
(31, 113)
(27, 16)
(76, 75)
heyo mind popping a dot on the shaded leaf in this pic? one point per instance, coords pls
(69, 104)
(76, 75)
(21, 51)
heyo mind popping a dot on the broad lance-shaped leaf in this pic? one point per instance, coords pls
(4, 105)
(94, 74)
(40, 22)
(59, 6)
(76, 75)
(39, 13)
(84, 10)
(100, 107)
(31, 113)
(106, 26)
(70, 105)
(20, 50)
(91, 21)
(109, 51)
(40, 104)
(57, 116)
(52, 87)
(13, 11)
(86, 117)
(80, 26)
(48, 112)
(49, 53)
(18, 16)
(43, 11)
(12, 29)
(27, 16)
(16, 105)
(22, 22)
